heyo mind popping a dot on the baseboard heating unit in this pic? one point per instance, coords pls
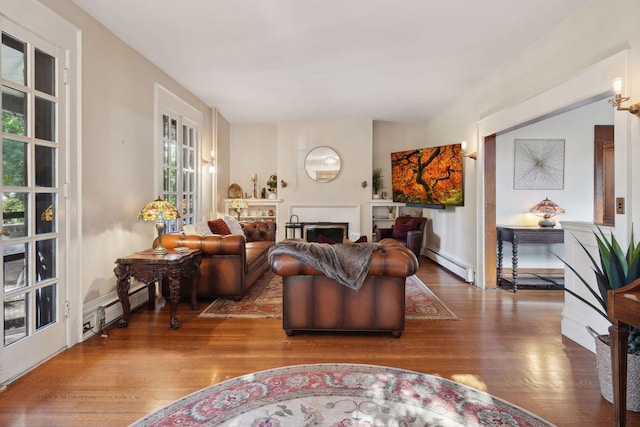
(107, 309)
(466, 273)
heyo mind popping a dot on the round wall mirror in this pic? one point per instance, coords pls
(322, 164)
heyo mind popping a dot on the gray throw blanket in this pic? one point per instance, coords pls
(348, 264)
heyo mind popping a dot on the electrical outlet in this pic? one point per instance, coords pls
(88, 323)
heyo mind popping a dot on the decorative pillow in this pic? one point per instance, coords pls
(357, 237)
(234, 225)
(218, 226)
(400, 230)
(323, 239)
(198, 229)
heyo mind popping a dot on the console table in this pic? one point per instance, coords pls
(623, 308)
(150, 268)
(517, 234)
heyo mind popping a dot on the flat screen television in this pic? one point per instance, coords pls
(429, 177)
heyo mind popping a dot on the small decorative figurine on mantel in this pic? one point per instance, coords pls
(254, 180)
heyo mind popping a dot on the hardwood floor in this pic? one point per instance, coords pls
(506, 344)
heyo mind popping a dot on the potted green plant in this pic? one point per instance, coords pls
(613, 270)
(272, 185)
(391, 214)
(376, 182)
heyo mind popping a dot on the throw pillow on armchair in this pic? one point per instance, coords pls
(400, 230)
(407, 230)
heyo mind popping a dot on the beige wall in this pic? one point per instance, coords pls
(117, 95)
(254, 150)
(281, 148)
(223, 161)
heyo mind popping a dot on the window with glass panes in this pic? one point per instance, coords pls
(179, 142)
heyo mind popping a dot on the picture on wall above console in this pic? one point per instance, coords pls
(430, 177)
(538, 164)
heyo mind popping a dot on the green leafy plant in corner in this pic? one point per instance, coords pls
(376, 180)
(614, 270)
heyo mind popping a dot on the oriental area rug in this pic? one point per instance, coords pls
(264, 300)
(340, 395)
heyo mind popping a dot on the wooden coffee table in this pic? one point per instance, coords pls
(150, 268)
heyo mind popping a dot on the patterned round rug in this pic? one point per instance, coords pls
(340, 395)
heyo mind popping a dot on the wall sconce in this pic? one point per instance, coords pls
(283, 183)
(212, 162)
(364, 184)
(473, 155)
(619, 99)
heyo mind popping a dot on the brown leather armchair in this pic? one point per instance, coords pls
(408, 230)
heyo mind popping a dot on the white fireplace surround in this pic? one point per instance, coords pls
(330, 213)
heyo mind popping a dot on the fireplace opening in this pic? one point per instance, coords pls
(334, 231)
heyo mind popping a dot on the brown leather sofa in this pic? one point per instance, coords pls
(231, 264)
(408, 230)
(313, 301)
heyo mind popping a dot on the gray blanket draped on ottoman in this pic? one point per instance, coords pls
(348, 263)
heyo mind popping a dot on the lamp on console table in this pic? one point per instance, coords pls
(548, 210)
(159, 210)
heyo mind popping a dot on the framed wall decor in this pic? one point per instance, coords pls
(234, 191)
(538, 164)
(429, 177)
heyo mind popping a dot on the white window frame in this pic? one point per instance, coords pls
(167, 103)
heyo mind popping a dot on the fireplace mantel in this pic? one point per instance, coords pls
(308, 213)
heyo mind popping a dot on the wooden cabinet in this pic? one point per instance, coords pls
(257, 210)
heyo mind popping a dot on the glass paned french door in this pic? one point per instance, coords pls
(179, 142)
(32, 309)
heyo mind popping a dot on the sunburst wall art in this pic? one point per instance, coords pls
(539, 164)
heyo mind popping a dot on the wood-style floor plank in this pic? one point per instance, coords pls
(506, 344)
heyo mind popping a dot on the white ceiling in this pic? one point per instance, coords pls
(272, 60)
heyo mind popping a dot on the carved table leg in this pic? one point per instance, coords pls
(619, 336)
(122, 288)
(514, 260)
(500, 274)
(195, 274)
(174, 279)
(151, 289)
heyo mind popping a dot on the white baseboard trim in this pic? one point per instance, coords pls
(110, 302)
(465, 272)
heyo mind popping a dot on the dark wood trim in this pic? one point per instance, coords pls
(490, 211)
(604, 209)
